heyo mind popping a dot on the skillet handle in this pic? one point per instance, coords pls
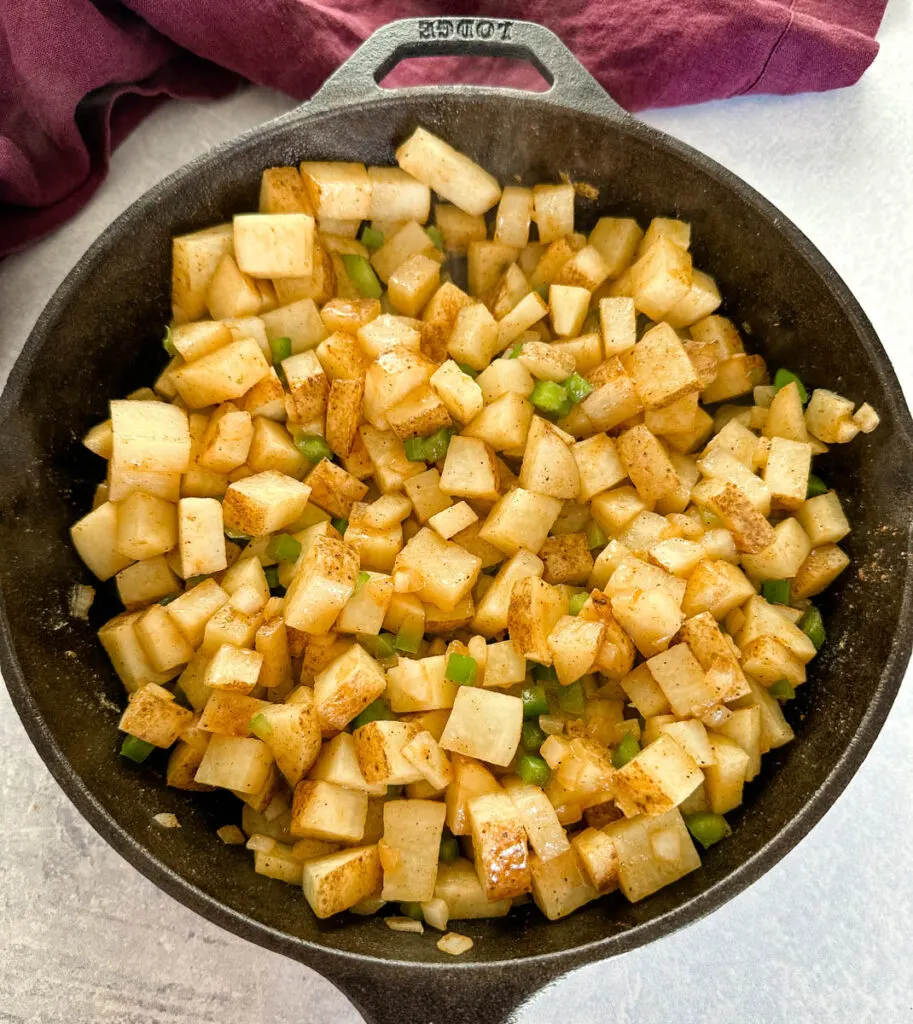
(387, 993)
(571, 85)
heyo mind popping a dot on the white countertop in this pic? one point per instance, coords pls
(825, 936)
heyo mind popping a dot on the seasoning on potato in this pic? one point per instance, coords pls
(471, 590)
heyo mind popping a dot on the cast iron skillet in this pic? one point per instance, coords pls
(100, 337)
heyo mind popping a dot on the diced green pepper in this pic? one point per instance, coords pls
(816, 486)
(577, 388)
(371, 238)
(542, 292)
(168, 344)
(535, 701)
(283, 547)
(782, 689)
(413, 910)
(512, 353)
(783, 377)
(408, 641)
(628, 749)
(360, 580)
(775, 591)
(812, 625)
(533, 770)
(595, 535)
(380, 647)
(576, 603)
(313, 447)
(340, 523)
(260, 726)
(462, 669)
(450, 848)
(272, 576)
(468, 370)
(362, 275)
(280, 349)
(195, 581)
(169, 599)
(376, 711)
(545, 674)
(415, 449)
(436, 444)
(548, 396)
(236, 535)
(531, 736)
(571, 699)
(707, 828)
(135, 749)
(435, 235)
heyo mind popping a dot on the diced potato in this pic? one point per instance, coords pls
(560, 885)
(391, 468)
(283, 191)
(337, 763)
(458, 391)
(339, 191)
(396, 195)
(568, 307)
(535, 609)
(233, 668)
(346, 687)
(240, 764)
(700, 301)
(459, 887)
(452, 520)
(819, 570)
(146, 581)
(644, 692)
(323, 584)
(712, 649)
(458, 228)
(231, 292)
(527, 312)
(341, 880)
(829, 417)
(737, 375)
(484, 724)
(647, 463)
(638, 843)
(151, 435)
(725, 778)
(574, 644)
(661, 278)
(715, 586)
(553, 210)
(520, 519)
(274, 244)
(599, 858)
(782, 558)
(413, 283)
(412, 837)
(499, 846)
(657, 779)
(451, 174)
(153, 715)
(744, 728)
(823, 519)
(616, 239)
(598, 465)
(332, 813)
(95, 539)
(194, 259)
(220, 376)
(549, 466)
(292, 732)
(201, 540)
(299, 321)
(263, 503)
(425, 753)
(662, 370)
(379, 747)
(866, 418)
(752, 532)
(786, 473)
(448, 571)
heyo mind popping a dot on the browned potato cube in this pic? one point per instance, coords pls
(413, 283)
(194, 259)
(411, 844)
(419, 414)
(448, 571)
(283, 191)
(662, 370)
(274, 244)
(521, 519)
(308, 385)
(661, 278)
(483, 724)
(337, 190)
(343, 414)
(221, 376)
(647, 463)
(341, 880)
(263, 503)
(823, 565)
(346, 687)
(333, 489)
(535, 608)
(451, 174)
(549, 466)
(324, 811)
(153, 715)
(499, 846)
(233, 668)
(379, 747)
(322, 585)
(574, 644)
(342, 358)
(567, 559)
(751, 530)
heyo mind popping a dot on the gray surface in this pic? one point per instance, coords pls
(825, 936)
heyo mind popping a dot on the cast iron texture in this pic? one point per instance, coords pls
(100, 337)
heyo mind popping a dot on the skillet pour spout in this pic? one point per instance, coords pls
(100, 336)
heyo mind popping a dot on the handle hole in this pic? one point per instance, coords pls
(512, 72)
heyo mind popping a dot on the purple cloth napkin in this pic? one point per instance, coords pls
(77, 76)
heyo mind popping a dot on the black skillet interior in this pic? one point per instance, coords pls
(100, 337)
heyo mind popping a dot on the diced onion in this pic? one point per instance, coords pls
(405, 924)
(436, 913)
(276, 807)
(261, 843)
(166, 820)
(368, 906)
(454, 943)
(551, 725)
(81, 599)
(389, 858)
(231, 835)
